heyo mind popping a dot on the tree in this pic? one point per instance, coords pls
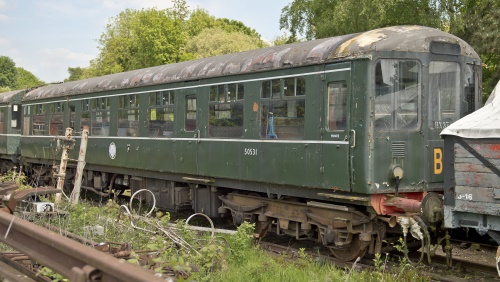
(477, 23)
(200, 19)
(216, 41)
(236, 26)
(325, 18)
(137, 39)
(284, 39)
(75, 74)
(8, 74)
(26, 79)
(150, 37)
(78, 73)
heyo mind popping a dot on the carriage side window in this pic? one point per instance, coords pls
(99, 109)
(56, 127)
(190, 121)
(226, 111)
(397, 94)
(337, 106)
(128, 115)
(38, 121)
(444, 92)
(26, 120)
(17, 115)
(161, 114)
(294, 86)
(283, 117)
(2, 119)
(85, 114)
(271, 88)
(471, 89)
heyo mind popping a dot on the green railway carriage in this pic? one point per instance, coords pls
(10, 128)
(321, 139)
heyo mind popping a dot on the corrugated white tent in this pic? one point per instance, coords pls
(483, 123)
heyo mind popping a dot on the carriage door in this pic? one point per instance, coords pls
(337, 138)
(186, 148)
(397, 138)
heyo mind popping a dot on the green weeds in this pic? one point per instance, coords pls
(194, 256)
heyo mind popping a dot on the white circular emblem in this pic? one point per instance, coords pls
(112, 150)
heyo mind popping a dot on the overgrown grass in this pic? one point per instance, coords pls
(199, 257)
(258, 265)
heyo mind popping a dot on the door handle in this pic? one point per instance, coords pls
(353, 138)
(199, 136)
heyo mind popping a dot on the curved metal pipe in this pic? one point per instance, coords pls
(111, 184)
(427, 236)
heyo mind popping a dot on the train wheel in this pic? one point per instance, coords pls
(352, 252)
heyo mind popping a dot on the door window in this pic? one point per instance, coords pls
(190, 122)
(397, 92)
(337, 106)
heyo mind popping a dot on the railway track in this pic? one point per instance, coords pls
(15, 266)
(462, 270)
(65, 256)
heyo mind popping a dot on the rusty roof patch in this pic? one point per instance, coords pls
(398, 38)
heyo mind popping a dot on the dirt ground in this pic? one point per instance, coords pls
(473, 252)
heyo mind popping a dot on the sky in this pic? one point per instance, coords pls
(46, 37)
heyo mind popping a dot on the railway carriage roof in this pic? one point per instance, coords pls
(399, 38)
(483, 123)
(6, 96)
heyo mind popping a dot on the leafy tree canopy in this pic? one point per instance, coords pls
(200, 19)
(325, 18)
(8, 74)
(78, 73)
(26, 79)
(137, 39)
(284, 39)
(13, 78)
(476, 21)
(216, 41)
(144, 38)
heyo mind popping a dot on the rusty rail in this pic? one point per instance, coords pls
(67, 257)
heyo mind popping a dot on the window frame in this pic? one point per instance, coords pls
(163, 103)
(219, 124)
(395, 100)
(343, 91)
(128, 106)
(459, 87)
(287, 129)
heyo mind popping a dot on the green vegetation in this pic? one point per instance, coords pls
(26, 79)
(216, 41)
(150, 37)
(192, 256)
(14, 78)
(7, 73)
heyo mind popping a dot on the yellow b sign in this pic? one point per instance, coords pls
(438, 161)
